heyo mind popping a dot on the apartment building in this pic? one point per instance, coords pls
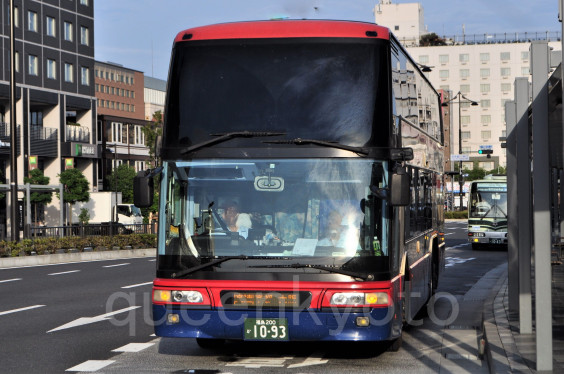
(482, 67)
(121, 117)
(155, 94)
(55, 102)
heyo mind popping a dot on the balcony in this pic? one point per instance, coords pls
(77, 133)
(43, 141)
(5, 139)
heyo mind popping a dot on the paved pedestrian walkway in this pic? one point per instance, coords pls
(508, 351)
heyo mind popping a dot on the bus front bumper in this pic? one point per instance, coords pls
(307, 325)
(487, 237)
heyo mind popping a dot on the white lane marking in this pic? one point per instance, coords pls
(138, 285)
(448, 233)
(451, 261)
(91, 365)
(311, 360)
(259, 362)
(153, 260)
(10, 280)
(66, 263)
(113, 266)
(86, 320)
(133, 347)
(65, 272)
(20, 309)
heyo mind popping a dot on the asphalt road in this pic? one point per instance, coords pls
(95, 317)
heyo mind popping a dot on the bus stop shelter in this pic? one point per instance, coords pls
(535, 173)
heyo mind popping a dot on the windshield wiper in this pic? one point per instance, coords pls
(207, 265)
(300, 141)
(319, 267)
(230, 135)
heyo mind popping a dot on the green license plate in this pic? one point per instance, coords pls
(266, 329)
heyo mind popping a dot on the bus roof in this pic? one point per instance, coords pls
(285, 29)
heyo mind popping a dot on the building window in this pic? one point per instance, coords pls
(85, 76)
(84, 35)
(443, 59)
(51, 69)
(117, 132)
(466, 150)
(443, 74)
(505, 56)
(16, 16)
(17, 61)
(506, 87)
(69, 73)
(139, 136)
(50, 26)
(486, 135)
(485, 103)
(32, 65)
(424, 59)
(84, 2)
(505, 72)
(465, 88)
(484, 73)
(139, 166)
(68, 31)
(464, 57)
(464, 104)
(464, 73)
(396, 28)
(465, 135)
(486, 165)
(525, 70)
(464, 120)
(524, 55)
(32, 21)
(484, 57)
(486, 119)
(484, 87)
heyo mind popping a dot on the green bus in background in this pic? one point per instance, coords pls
(487, 213)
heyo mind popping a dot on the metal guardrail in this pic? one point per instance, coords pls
(105, 229)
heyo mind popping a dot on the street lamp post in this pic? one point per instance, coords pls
(460, 96)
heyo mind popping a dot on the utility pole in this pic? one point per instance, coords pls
(13, 128)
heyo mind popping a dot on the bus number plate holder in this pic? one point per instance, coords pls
(266, 329)
(495, 241)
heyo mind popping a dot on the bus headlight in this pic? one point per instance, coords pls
(360, 299)
(178, 296)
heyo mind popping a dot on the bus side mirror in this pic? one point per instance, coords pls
(143, 190)
(399, 189)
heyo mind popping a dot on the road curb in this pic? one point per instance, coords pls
(494, 350)
(8, 262)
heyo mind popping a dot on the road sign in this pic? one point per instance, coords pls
(486, 146)
(454, 157)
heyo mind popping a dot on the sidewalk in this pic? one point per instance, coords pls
(507, 351)
(8, 262)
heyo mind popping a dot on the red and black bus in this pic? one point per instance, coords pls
(301, 192)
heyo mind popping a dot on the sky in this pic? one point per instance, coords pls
(138, 34)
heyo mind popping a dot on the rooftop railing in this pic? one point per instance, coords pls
(496, 38)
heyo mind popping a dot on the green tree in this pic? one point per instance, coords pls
(76, 188)
(121, 179)
(37, 198)
(431, 39)
(475, 174)
(152, 130)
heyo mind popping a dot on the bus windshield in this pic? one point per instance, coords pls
(318, 212)
(488, 200)
(304, 88)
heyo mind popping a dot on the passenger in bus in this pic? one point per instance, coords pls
(333, 231)
(236, 221)
(342, 232)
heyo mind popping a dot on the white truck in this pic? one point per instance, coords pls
(107, 206)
